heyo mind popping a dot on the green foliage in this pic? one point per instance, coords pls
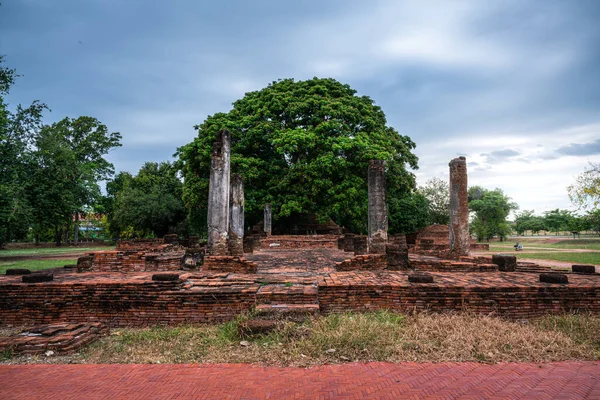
(593, 220)
(491, 209)
(148, 203)
(69, 161)
(411, 213)
(47, 172)
(561, 220)
(585, 192)
(437, 193)
(528, 221)
(17, 130)
(304, 147)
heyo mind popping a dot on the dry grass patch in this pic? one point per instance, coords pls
(338, 338)
(381, 336)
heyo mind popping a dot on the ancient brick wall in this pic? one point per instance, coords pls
(122, 303)
(424, 263)
(119, 300)
(239, 265)
(135, 261)
(299, 242)
(363, 262)
(351, 291)
(139, 244)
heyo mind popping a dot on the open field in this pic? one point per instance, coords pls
(49, 251)
(575, 258)
(43, 258)
(545, 243)
(576, 251)
(36, 265)
(349, 337)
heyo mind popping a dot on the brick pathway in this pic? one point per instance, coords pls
(564, 380)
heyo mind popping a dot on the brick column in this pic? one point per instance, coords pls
(236, 217)
(378, 216)
(267, 220)
(218, 195)
(460, 239)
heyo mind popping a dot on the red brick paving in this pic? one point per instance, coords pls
(562, 380)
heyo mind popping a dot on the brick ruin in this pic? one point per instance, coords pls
(460, 239)
(291, 274)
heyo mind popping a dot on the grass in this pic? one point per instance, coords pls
(36, 265)
(349, 337)
(569, 244)
(47, 251)
(576, 258)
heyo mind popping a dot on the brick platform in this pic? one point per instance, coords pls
(284, 278)
(563, 380)
(300, 242)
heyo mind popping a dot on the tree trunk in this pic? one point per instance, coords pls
(76, 230)
(57, 235)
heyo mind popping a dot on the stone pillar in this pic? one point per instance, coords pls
(218, 195)
(378, 215)
(460, 239)
(267, 220)
(236, 216)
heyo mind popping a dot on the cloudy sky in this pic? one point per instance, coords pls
(512, 85)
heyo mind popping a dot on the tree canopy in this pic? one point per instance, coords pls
(17, 130)
(491, 208)
(305, 148)
(148, 203)
(49, 172)
(437, 193)
(585, 192)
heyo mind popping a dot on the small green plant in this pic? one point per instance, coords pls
(6, 354)
(289, 284)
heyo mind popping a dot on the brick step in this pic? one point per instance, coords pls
(286, 309)
(281, 294)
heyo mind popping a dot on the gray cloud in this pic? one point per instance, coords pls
(457, 77)
(498, 156)
(580, 149)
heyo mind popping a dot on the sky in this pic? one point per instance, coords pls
(513, 85)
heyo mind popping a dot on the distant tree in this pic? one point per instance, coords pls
(17, 130)
(437, 193)
(149, 202)
(72, 151)
(593, 220)
(585, 192)
(491, 208)
(558, 220)
(524, 221)
(305, 148)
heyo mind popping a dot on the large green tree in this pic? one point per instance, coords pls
(305, 148)
(528, 221)
(73, 152)
(437, 193)
(17, 130)
(149, 203)
(585, 191)
(491, 208)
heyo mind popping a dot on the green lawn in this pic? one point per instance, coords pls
(35, 265)
(576, 258)
(587, 244)
(506, 249)
(48, 251)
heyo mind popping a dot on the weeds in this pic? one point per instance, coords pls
(378, 336)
